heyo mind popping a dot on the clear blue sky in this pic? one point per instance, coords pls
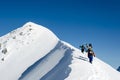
(74, 21)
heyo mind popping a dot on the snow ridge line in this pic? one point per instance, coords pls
(46, 63)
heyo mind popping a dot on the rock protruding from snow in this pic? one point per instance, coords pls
(118, 69)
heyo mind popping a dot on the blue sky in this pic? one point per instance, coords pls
(74, 21)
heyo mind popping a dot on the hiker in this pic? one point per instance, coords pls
(89, 46)
(82, 48)
(91, 54)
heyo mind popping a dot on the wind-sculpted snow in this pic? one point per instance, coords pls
(50, 66)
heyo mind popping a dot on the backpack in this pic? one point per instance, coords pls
(90, 45)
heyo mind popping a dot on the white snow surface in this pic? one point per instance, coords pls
(33, 52)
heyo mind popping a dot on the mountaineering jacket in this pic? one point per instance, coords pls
(90, 53)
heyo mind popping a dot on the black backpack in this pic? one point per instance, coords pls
(90, 45)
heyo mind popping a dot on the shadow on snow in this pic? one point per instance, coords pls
(60, 71)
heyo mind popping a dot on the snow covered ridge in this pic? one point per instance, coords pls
(33, 52)
(22, 47)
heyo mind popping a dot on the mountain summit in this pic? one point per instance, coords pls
(33, 52)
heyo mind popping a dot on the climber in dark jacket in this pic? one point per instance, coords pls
(82, 48)
(91, 54)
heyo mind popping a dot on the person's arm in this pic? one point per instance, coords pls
(93, 54)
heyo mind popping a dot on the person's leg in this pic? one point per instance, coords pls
(82, 50)
(90, 59)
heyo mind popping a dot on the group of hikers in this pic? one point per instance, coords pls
(88, 48)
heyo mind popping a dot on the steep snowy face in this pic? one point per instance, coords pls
(30, 34)
(22, 47)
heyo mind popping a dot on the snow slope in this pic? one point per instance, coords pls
(33, 52)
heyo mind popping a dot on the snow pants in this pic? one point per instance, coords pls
(90, 59)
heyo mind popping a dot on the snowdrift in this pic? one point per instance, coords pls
(33, 52)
